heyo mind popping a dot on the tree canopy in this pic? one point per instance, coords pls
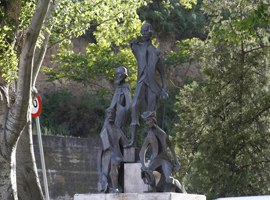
(223, 129)
(177, 19)
(110, 36)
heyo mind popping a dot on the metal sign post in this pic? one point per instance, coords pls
(36, 111)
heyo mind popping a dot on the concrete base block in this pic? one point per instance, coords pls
(133, 182)
(121, 196)
(142, 196)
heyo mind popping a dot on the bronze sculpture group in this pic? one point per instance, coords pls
(144, 104)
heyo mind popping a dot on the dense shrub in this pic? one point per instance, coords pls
(70, 115)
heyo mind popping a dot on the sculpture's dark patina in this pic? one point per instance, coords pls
(121, 100)
(110, 157)
(158, 142)
(146, 96)
(148, 90)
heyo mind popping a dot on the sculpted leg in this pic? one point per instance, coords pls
(137, 101)
(114, 178)
(133, 135)
(103, 170)
(151, 104)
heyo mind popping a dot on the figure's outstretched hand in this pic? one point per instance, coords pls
(164, 94)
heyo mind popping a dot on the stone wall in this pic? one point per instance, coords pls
(70, 164)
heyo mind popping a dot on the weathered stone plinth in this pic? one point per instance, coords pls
(141, 196)
(133, 182)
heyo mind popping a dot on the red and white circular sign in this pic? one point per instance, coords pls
(36, 108)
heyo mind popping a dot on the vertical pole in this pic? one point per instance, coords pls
(42, 159)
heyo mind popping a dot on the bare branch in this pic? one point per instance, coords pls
(258, 48)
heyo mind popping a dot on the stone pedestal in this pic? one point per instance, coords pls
(133, 182)
(143, 196)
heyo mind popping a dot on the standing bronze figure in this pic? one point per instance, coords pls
(148, 90)
(110, 157)
(121, 100)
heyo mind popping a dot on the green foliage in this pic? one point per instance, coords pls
(180, 54)
(98, 60)
(12, 25)
(180, 19)
(67, 114)
(8, 57)
(111, 34)
(223, 129)
(113, 21)
(188, 3)
(112, 25)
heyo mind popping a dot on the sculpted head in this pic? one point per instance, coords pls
(146, 31)
(149, 118)
(110, 114)
(120, 75)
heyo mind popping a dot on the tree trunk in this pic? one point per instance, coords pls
(28, 184)
(14, 117)
(26, 165)
(5, 185)
(5, 159)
